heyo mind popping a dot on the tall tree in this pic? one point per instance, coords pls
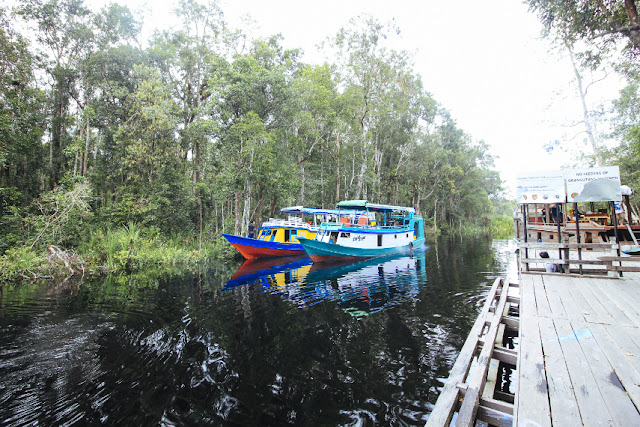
(64, 30)
(370, 74)
(22, 125)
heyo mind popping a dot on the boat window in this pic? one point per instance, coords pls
(345, 235)
(395, 236)
(294, 231)
(379, 239)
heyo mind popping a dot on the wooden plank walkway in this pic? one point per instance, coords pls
(578, 356)
(578, 360)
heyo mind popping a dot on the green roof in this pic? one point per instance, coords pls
(353, 204)
(363, 204)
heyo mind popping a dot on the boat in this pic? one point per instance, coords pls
(279, 236)
(366, 230)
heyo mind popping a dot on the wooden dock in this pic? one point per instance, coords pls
(577, 360)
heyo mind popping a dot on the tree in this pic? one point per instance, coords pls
(311, 108)
(370, 75)
(64, 30)
(600, 24)
(252, 89)
(22, 125)
(627, 129)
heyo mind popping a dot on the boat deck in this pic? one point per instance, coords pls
(578, 356)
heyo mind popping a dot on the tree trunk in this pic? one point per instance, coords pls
(435, 217)
(586, 116)
(200, 236)
(274, 205)
(197, 165)
(236, 229)
(246, 211)
(86, 151)
(363, 169)
(338, 178)
(632, 12)
(258, 216)
(302, 178)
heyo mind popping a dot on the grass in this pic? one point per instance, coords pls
(125, 250)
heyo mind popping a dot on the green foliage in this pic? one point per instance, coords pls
(602, 26)
(20, 262)
(502, 227)
(131, 248)
(207, 129)
(62, 216)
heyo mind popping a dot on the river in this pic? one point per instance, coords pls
(253, 344)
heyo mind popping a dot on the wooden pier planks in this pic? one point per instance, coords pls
(561, 397)
(578, 358)
(590, 358)
(531, 401)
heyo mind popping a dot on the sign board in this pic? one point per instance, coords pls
(593, 184)
(541, 187)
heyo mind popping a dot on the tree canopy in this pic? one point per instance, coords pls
(205, 129)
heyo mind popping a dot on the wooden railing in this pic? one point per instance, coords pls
(585, 259)
(469, 391)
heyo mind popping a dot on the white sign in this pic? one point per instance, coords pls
(585, 185)
(541, 187)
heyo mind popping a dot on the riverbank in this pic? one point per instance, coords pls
(131, 249)
(125, 250)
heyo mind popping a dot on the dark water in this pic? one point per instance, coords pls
(355, 344)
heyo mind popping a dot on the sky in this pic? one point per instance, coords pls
(484, 61)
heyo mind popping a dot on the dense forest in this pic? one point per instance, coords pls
(204, 129)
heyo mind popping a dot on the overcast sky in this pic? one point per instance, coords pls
(484, 61)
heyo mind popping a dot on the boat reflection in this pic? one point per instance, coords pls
(359, 288)
(268, 271)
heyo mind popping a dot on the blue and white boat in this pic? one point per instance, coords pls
(279, 236)
(366, 230)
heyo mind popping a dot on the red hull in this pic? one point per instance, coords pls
(251, 252)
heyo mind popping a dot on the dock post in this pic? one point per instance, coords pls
(575, 211)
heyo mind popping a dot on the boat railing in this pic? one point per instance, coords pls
(336, 226)
(277, 222)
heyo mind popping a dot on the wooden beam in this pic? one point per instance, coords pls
(445, 405)
(469, 407)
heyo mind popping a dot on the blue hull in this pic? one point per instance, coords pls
(322, 251)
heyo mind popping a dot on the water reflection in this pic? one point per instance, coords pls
(360, 287)
(291, 343)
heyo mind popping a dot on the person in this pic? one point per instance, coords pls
(252, 227)
(550, 268)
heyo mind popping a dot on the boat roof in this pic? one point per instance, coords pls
(364, 204)
(302, 209)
